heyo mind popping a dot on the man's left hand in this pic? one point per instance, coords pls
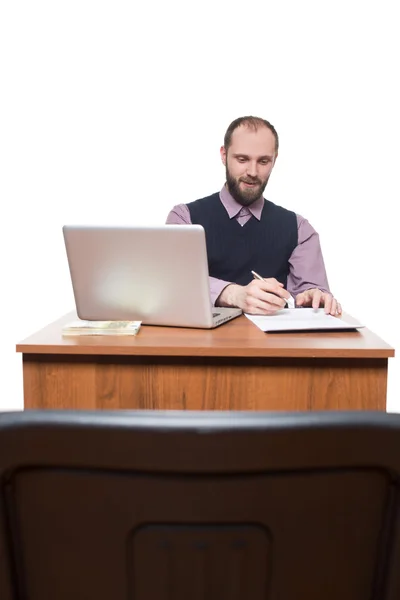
(315, 298)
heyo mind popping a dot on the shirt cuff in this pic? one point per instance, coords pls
(216, 288)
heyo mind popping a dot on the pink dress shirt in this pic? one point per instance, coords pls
(306, 264)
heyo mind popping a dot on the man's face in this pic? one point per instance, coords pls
(249, 162)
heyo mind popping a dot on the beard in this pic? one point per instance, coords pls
(245, 196)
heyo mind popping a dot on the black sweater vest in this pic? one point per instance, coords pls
(234, 250)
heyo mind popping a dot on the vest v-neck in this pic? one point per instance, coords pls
(249, 223)
(264, 245)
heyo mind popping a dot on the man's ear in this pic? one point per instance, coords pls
(223, 155)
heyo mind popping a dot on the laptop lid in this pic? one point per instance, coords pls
(155, 274)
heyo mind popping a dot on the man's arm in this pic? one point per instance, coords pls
(307, 280)
(180, 215)
(306, 264)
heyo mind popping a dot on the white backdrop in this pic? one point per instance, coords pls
(115, 111)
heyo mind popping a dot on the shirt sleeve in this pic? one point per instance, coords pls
(306, 264)
(180, 215)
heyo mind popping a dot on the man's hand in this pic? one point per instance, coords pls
(257, 298)
(315, 298)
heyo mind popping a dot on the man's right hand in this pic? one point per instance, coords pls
(257, 298)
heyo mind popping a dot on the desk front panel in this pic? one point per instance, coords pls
(203, 383)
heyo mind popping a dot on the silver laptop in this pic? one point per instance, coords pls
(157, 275)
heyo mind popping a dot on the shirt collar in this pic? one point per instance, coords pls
(233, 208)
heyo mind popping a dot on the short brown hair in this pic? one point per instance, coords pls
(253, 123)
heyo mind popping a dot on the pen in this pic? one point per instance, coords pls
(289, 301)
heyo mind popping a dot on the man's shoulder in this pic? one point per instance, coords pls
(304, 227)
(206, 200)
(186, 213)
(279, 209)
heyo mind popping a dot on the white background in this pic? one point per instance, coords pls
(115, 111)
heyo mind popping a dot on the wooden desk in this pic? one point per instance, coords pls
(233, 367)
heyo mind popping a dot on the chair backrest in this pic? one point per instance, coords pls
(181, 505)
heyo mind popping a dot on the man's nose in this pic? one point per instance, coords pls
(252, 169)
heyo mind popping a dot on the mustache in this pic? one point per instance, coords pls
(255, 180)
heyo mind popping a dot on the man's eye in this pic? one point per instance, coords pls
(241, 159)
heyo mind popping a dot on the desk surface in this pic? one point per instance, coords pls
(237, 338)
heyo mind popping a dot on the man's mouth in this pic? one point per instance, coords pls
(250, 183)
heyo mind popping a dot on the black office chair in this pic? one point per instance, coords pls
(186, 506)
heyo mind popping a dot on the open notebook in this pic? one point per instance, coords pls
(302, 319)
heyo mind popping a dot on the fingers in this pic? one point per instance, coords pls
(264, 303)
(331, 305)
(315, 298)
(271, 286)
(272, 281)
(321, 299)
(264, 297)
(267, 296)
(336, 308)
(261, 308)
(275, 297)
(304, 299)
